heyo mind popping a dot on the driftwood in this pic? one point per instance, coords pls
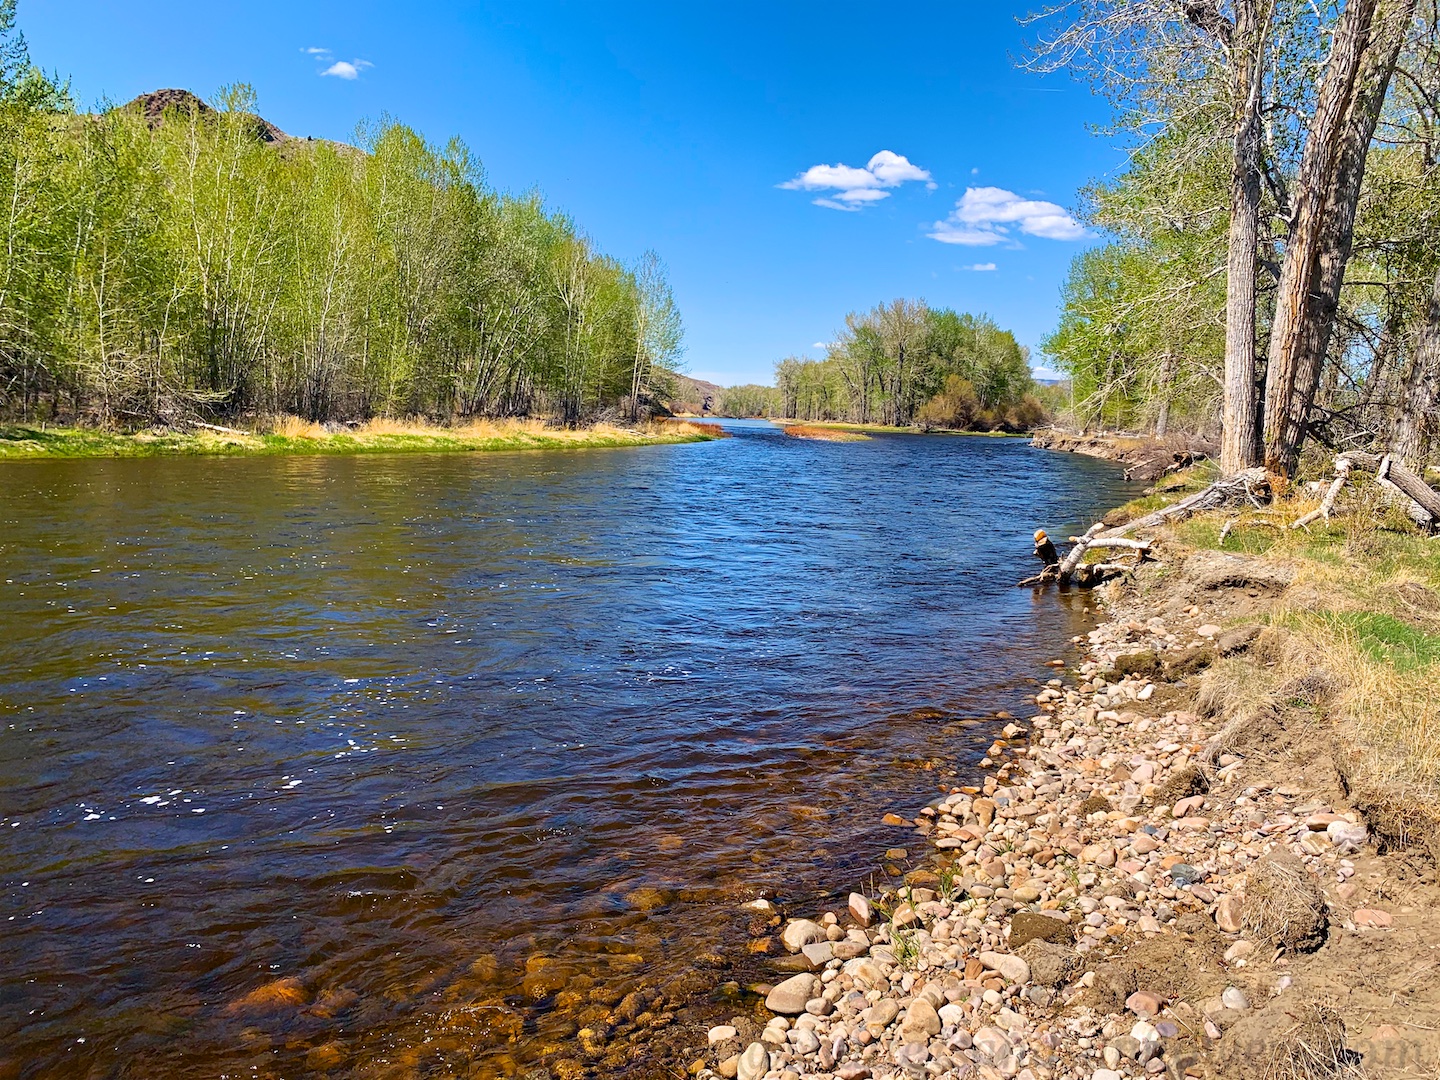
(1243, 486)
(1421, 501)
(217, 427)
(1327, 504)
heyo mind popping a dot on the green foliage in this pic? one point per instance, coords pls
(192, 266)
(748, 400)
(1141, 334)
(903, 363)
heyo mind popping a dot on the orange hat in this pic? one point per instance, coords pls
(1040, 535)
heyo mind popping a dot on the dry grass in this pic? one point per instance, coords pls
(1284, 905)
(293, 427)
(1350, 660)
(293, 435)
(827, 434)
(1313, 1047)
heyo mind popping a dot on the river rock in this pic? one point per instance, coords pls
(992, 1042)
(819, 953)
(722, 1032)
(1234, 998)
(1227, 914)
(912, 1057)
(1347, 838)
(921, 1021)
(804, 1040)
(1013, 968)
(1143, 1003)
(801, 932)
(789, 997)
(882, 1015)
(860, 909)
(754, 1063)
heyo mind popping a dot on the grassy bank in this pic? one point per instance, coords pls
(825, 433)
(1351, 649)
(293, 436)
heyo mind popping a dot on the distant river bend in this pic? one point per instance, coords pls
(420, 765)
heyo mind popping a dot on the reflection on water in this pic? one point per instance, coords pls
(420, 765)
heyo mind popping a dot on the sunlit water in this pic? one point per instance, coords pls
(466, 747)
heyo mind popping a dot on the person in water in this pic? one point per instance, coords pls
(1045, 549)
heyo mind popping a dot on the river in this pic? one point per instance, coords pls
(404, 766)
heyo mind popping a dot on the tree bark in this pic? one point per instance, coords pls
(1413, 427)
(1337, 230)
(1239, 443)
(1315, 187)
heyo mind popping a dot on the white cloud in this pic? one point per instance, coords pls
(851, 188)
(979, 266)
(346, 69)
(316, 50)
(986, 216)
(820, 345)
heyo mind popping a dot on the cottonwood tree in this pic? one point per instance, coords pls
(1302, 88)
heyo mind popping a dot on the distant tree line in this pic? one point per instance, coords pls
(902, 364)
(194, 261)
(1272, 270)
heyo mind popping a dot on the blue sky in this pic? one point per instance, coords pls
(677, 127)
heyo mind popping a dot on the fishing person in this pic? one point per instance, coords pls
(1045, 549)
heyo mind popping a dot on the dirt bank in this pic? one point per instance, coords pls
(1196, 859)
(1144, 458)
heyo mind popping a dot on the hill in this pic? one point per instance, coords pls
(695, 397)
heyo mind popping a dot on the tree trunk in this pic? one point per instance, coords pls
(1422, 391)
(1239, 443)
(1315, 187)
(1337, 229)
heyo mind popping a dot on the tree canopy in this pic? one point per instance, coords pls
(195, 261)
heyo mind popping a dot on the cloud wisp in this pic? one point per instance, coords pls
(979, 267)
(991, 215)
(339, 69)
(849, 188)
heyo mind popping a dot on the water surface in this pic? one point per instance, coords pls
(467, 747)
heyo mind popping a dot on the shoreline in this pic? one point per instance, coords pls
(885, 429)
(1145, 457)
(22, 442)
(1154, 876)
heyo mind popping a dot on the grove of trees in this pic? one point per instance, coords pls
(905, 363)
(191, 260)
(1273, 267)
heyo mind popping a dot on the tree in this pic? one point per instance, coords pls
(1297, 152)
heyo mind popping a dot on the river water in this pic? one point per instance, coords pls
(411, 766)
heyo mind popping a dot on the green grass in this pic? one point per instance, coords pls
(1387, 638)
(19, 442)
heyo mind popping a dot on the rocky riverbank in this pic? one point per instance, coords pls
(1143, 886)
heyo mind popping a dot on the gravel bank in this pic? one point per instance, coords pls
(1124, 896)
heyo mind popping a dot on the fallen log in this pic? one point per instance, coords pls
(1422, 501)
(1142, 546)
(217, 427)
(1243, 485)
